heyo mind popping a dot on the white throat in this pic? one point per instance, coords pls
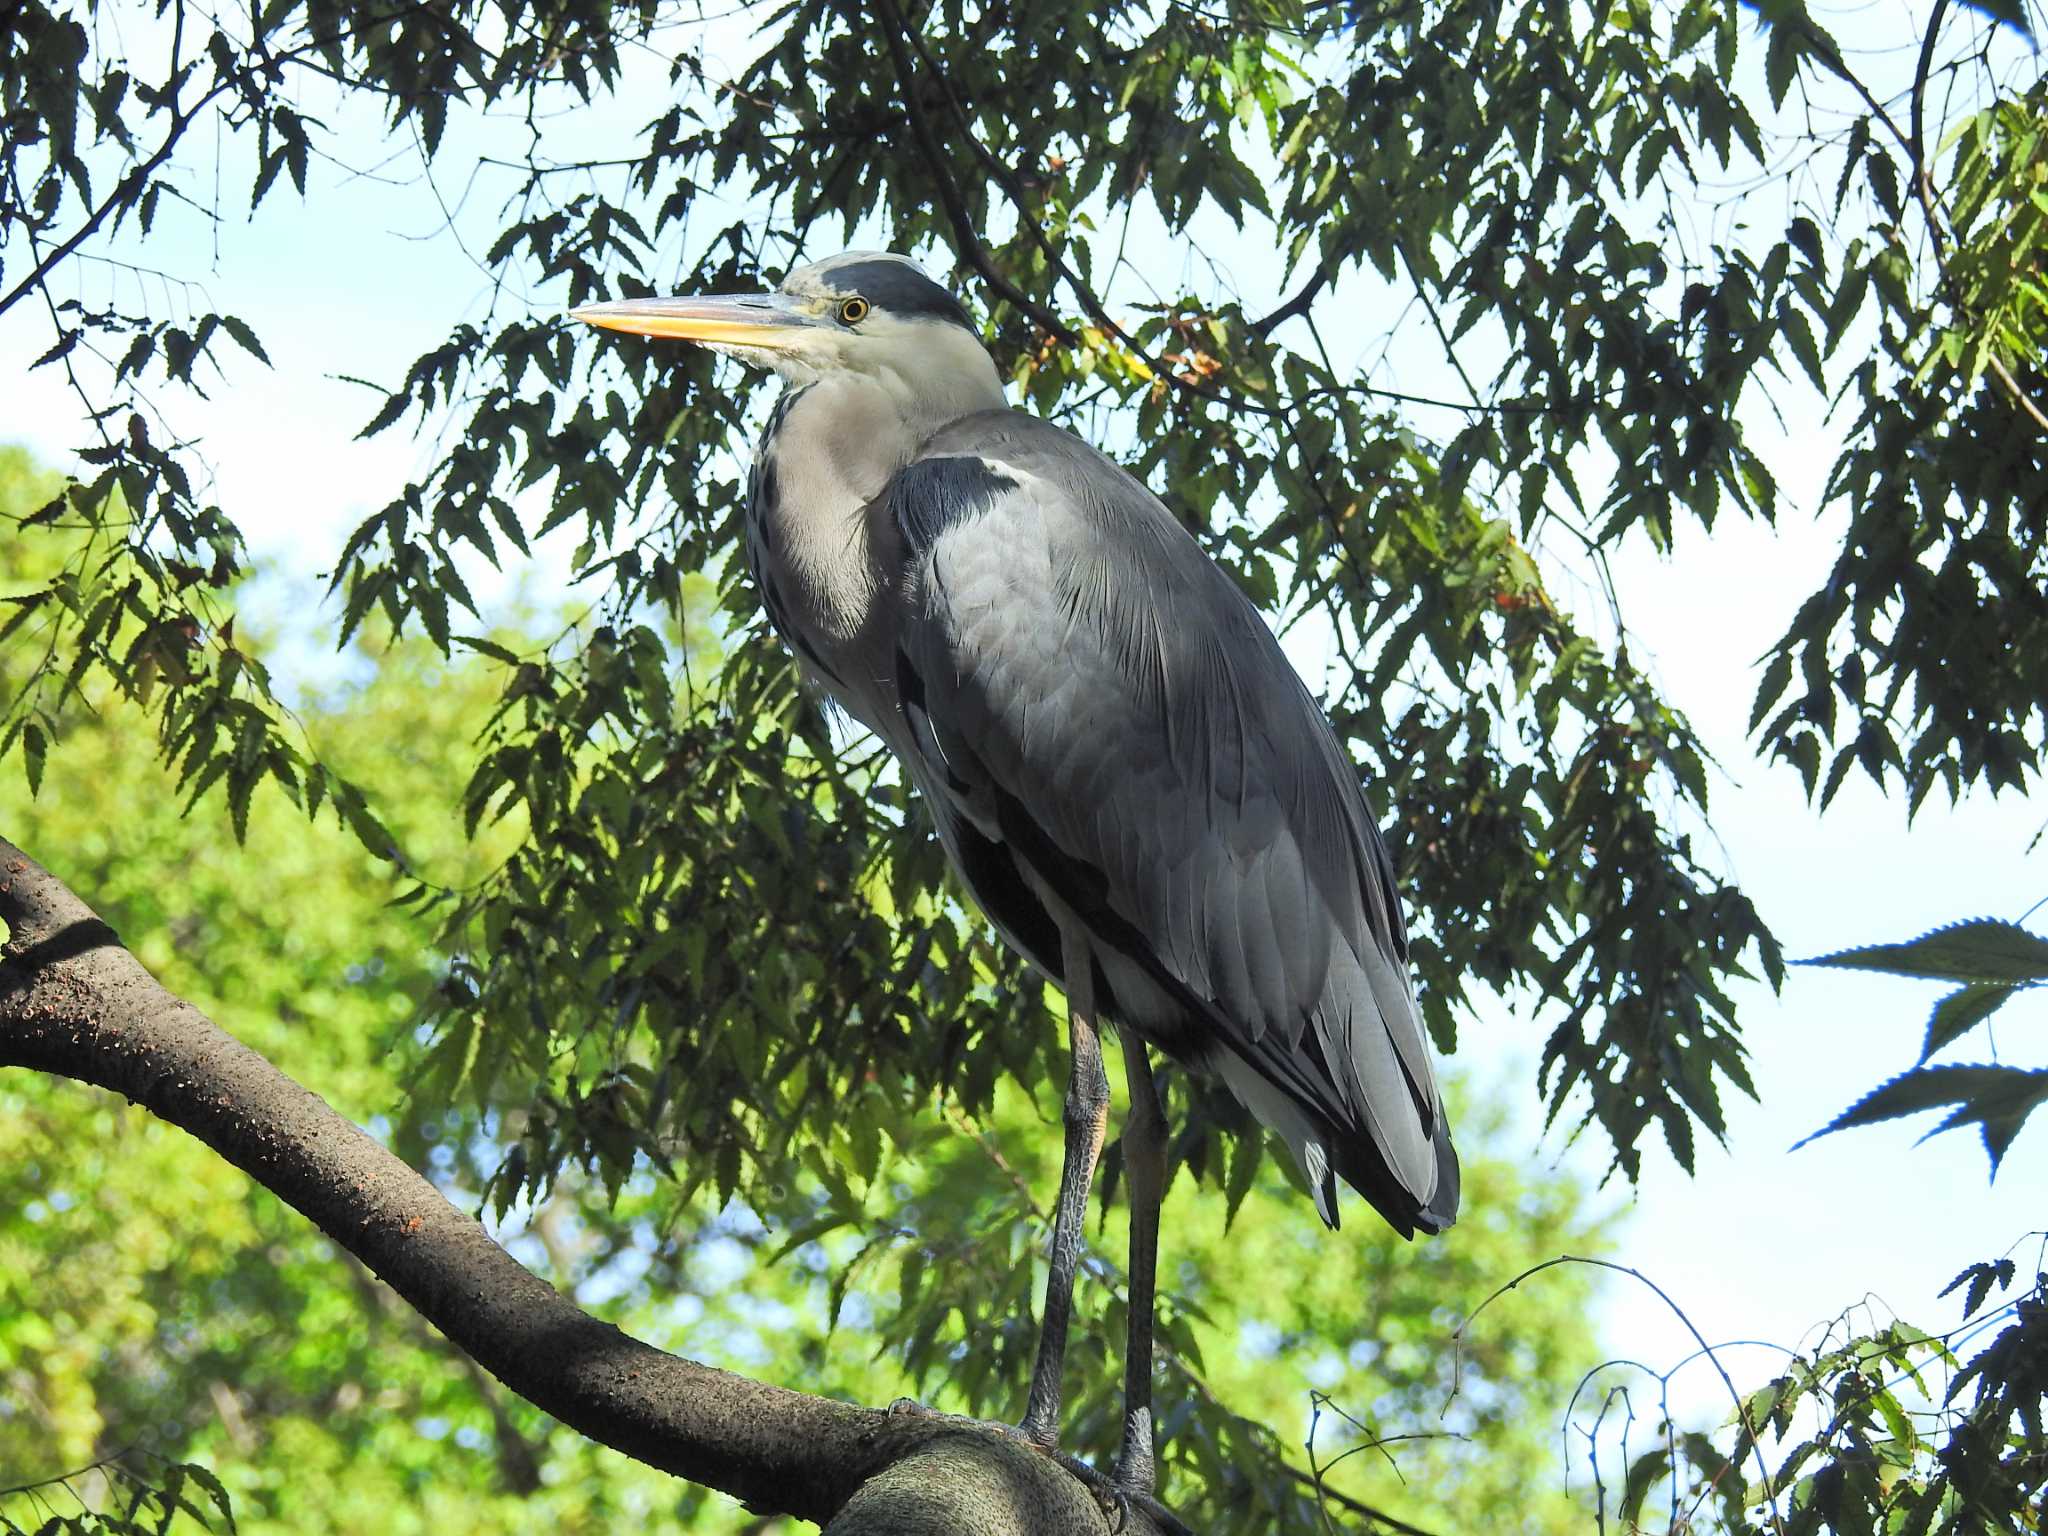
(854, 416)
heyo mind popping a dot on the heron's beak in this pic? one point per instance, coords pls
(764, 320)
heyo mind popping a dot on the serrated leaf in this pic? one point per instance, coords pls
(393, 408)
(490, 648)
(245, 338)
(1981, 1277)
(63, 346)
(1777, 677)
(1981, 950)
(214, 1491)
(1997, 1098)
(1960, 1012)
(1781, 62)
(1245, 1154)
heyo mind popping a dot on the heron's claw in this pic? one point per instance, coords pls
(1118, 1500)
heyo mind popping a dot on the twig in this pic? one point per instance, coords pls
(1320, 279)
(1741, 1408)
(949, 191)
(1917, 144)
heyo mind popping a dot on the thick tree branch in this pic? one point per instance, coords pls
(73, 1002)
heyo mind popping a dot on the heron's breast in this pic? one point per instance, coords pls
(819, 583)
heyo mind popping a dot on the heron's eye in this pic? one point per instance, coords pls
(854, 310)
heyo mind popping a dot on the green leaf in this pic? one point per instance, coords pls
(1805, 238)
(1997, 1098)
(1644, 1474)
(34, 747)
(2011, 13)
(1960, 1012)
(206, 1480)
(1981, 1277)
(1982, 950)
(1781, 62)
(392, 408)
(244, 337)
(490, 648)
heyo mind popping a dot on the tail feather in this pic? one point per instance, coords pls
(1326, 1154)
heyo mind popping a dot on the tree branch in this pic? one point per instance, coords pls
(130, 188)
(949, 190)
(1304, 297)
(75, 1003)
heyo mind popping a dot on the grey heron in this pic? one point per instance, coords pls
(1124, 769)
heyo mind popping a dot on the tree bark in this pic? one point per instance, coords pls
(75, 1003)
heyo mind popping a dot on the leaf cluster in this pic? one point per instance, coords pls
(1993, 962)
(144, 1503)
(180, 1308)
(1864, 1437)
(717, 939)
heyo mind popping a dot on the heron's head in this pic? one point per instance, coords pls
(866, 314)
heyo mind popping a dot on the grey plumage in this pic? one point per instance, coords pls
(1101, 722)
(1124, 769)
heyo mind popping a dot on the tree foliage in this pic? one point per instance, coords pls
(1992, 962)
(1516, 175)
(1894, 1429)
(152, 1299)
(716, 941)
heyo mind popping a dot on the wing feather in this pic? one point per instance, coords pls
(1155, 766)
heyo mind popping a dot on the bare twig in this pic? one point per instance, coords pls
(1706, 1349)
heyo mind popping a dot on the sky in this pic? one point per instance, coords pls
(1763, 1242)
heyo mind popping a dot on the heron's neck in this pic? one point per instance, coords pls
(829, 451)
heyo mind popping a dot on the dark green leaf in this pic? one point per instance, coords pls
(1982, 950)
(34, 746)
(1960, 1012)
(1998, 1098)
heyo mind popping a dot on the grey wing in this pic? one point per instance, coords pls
(1106, 727)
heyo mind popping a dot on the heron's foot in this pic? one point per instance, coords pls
(1118, 1497)
(911, 1407)
(1136, 1472)
(1021, 1432)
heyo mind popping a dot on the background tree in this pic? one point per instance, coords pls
(711, 945)
(1894, 1427)
(154, 1298)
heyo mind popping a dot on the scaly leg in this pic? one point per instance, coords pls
(1086, 1113)
(1145, 1169)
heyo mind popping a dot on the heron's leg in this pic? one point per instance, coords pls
(1145, 1170)
(1087, 1111)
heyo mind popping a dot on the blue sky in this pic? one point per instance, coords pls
(1764, 1242)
